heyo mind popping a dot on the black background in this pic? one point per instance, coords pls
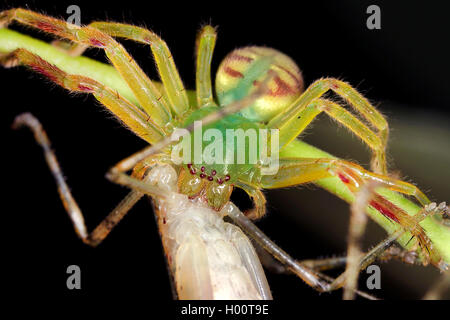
(406, 63)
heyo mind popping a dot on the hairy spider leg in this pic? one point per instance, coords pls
(206, 41)
(294, 119)
(125, 111)
(205, 44)
(76, 216)
(151, 101)
(168, 72)
(133, 117)
(308, 114)
(258, 199)
(294, 171)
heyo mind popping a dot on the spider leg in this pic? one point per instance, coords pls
(295, 118)
(259, 200)
(294, 171)
(104, 228)
(128, 113)
(124, 110)
(150, 99)
(206, 41)
(341, 115)
(70, 48)
(170, 77)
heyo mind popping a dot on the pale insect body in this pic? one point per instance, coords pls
(209, 258)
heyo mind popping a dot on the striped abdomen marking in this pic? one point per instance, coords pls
(241, 65)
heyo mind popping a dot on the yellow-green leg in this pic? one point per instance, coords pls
(336, 112)
(294, 171)
(259, 201)
(151, 101)
(173, 85)
(206, 41)
(124, 110)
(295, 118)
(170, 77)
(168, 72)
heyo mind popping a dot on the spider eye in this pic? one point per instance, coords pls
(244, 69)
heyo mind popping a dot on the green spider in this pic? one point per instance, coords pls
(257, 88)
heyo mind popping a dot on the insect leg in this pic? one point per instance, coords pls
(318, 265)
(324, 264)
(102, 230)
(295, 118)
(128, 113)
(311, 277)
(393, 252)
(303, 268)
(149, 97)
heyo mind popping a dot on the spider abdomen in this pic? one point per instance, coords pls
(244, 69)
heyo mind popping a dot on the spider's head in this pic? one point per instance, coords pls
(244, 69)
(194, 183)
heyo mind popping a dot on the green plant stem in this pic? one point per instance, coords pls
(439, 234)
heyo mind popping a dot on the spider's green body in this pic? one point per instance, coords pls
(223, 141)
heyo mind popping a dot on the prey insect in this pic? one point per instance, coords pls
(257, 88)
